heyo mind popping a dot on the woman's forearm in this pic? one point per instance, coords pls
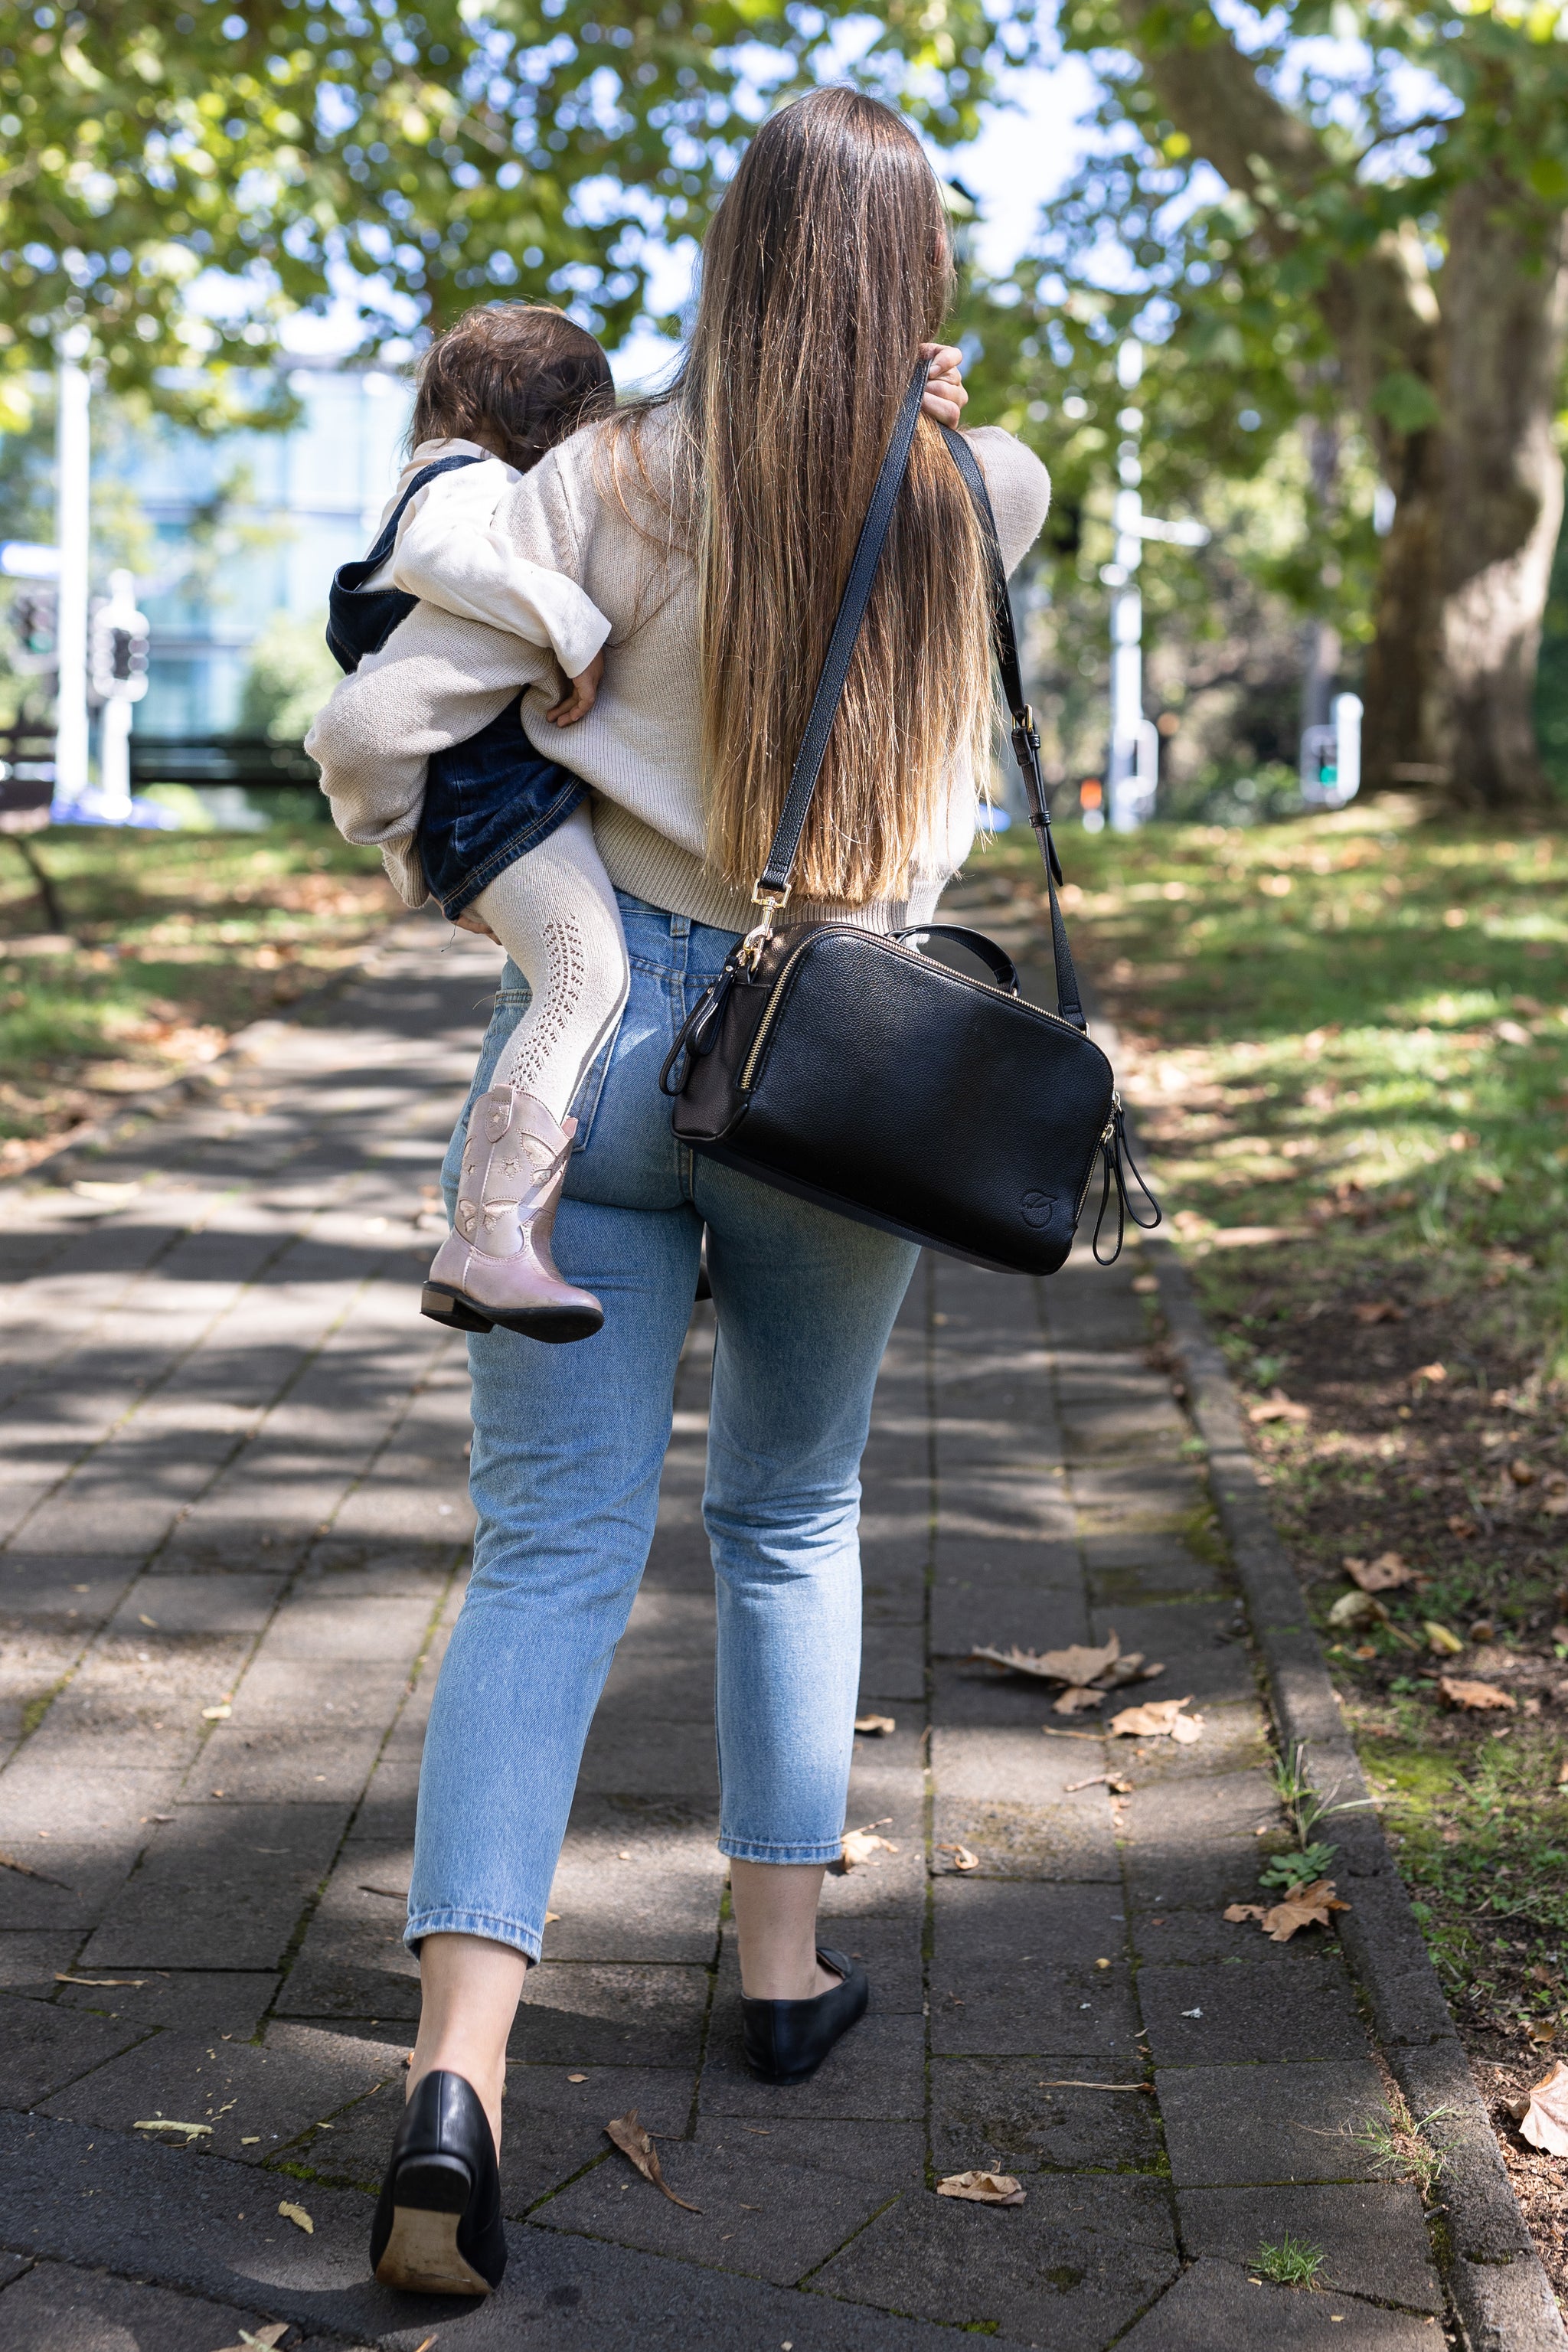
(437, 681)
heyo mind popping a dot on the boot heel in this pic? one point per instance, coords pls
(457, 1314)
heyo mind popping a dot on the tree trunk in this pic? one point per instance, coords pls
(1504, 289)
(1401, 744)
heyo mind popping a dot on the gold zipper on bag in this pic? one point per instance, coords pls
(963, 979)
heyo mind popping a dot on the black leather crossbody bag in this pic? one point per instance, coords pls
(841, 1064)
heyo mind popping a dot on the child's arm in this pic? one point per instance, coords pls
(447, 554)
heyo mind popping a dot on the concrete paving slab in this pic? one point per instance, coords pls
(1054, 2113)
(222, 1886)
(1373, 2237)
(579, 2015)
(255, 2098)
(56, 2309)
(223, 2001)
(1069, 2268)
(1216, 2308)
(43, 2047)
(768, 2218)
(1251, 2009)
(1234, 2126)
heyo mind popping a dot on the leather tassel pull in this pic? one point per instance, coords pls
(1116, 1165)
(699, 1033)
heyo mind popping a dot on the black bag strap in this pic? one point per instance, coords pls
(772, 892)
(1026, 734)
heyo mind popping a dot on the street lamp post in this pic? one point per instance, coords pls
(1134, 769)
(73, 466)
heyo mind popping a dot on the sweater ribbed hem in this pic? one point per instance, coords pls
(649, 865)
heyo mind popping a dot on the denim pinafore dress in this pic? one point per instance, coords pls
(488, 801)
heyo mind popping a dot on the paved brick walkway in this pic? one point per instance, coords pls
(233, 1462)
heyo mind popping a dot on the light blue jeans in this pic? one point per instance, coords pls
(568, 1445)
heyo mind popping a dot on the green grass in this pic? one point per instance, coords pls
(171, 942)
(1345, 1040)
(1292, 2263)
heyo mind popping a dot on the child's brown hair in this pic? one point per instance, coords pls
(519, 375)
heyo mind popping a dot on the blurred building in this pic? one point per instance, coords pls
(244, 527)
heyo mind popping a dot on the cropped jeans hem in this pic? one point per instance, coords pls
(473, 1923)
(748, 1850)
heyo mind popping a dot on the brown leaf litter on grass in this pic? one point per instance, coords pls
(1157, 1718)
(1384, 1574)
(863, 1845)
(1542, 2114)
(982, 2188)
(633, 2141)
(1304, 1906)
(1455, 1691)
(1378, 1310)
(1279, 1407)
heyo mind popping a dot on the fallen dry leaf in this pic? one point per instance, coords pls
(1356, 1609)
(1478, 1696)
(1521, 1471)
(1381, 1575)
(864, 1845)
(876, 1726)
(1542, 2115)
(1462, 1527)
(982, 2188)
(1543, 2030)
(1304, 1906)
(1279, 1407)
(1076, 1701)
(1440, 1638)
(136, 1983)
(1433, 1372)
(392, 1893)
(1077, 1664)
(1378, 1310)
(1118, 1787)
(25, 1870)
(266, 2338)
(166, 2123)
(216, 1714)
(297, 2215)
(1237, 1912)
(1157, 1718)
(962, 1857)
(551, 1917)
(632, 2141)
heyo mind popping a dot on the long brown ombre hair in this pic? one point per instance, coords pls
(827, 264)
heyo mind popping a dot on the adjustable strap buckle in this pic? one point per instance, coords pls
(771, 902)
(1026, 736)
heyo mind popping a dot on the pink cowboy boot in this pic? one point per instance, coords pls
(495, 1266)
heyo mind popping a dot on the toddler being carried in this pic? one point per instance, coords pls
(505, 835)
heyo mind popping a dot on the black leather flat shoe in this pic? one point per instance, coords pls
(788, 2039)
(438, 2228)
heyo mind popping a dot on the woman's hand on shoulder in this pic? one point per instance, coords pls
(946, 398)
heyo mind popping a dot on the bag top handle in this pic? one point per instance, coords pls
(773, 888)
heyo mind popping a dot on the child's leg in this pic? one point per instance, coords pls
(555, 914)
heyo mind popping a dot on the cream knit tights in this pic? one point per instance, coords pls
(555, 914)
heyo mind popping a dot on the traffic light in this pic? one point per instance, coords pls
(34, 619)
(117, 655)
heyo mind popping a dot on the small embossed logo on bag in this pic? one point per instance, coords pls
(1038, 1208)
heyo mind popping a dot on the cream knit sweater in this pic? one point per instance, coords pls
(439, 678)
